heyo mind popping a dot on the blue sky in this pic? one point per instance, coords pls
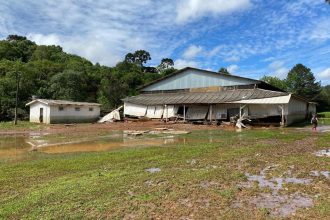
(251, 38)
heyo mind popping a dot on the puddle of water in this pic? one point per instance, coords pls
(323, 153)
(16, 147)
(153, 170)
(326, 174)
(277, 204)
(275, 183)
(281, 205)
(13, 147)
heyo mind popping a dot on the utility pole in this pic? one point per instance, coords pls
(18, 78)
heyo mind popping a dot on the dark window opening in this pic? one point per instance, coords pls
(60, 108)
(180, 110)
(77, 108)
(91, 109)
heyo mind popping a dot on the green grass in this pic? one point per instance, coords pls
(324, 114)
(199, 178)
(9, 125)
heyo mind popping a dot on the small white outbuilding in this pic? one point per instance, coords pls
(61, 111)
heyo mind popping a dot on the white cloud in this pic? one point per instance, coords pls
(278, 69)
(233, 58)
(192, 51)
(50, 39)
(325, 74)
(232, 68)
(321, 31)
(182, 63)
(191, 9)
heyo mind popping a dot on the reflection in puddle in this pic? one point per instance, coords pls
(12, 147)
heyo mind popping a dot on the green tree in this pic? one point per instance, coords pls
(301, 81)
(139, 57)
(323, 99)
(223, 70)
(275, 81)
(111, 91)
(69, 85)
(166, 63)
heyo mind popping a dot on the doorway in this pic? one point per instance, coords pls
(41, 115)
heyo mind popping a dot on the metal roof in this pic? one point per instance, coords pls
(202, 97)
(200, 70)
(273, 100)
(62, 102)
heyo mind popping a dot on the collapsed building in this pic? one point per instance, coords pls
(194, 94)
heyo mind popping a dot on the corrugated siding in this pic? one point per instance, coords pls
(134, 109)
(155, 111)
(196, 79)
(197, 112)
(297, 110)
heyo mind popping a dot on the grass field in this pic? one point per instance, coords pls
(324, 114)
(197, 180)
(9, 125)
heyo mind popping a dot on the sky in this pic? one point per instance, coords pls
(250, 38)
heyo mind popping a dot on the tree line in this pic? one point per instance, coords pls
(48, 72)
(300, 80)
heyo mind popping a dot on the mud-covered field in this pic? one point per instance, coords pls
(151, 170)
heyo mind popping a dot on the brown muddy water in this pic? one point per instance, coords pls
(19, 147)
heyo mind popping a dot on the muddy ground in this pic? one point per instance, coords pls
(212, 172)
(118, 126)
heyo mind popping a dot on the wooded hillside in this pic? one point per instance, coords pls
(48, 72)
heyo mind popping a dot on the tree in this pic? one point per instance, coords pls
(328, 1)
(14, 37)
(165, 64)
(111, 91)
(139, 57)
(69, 85)
(275, 81)
(301, 81)
(223, 70)
(323, 99)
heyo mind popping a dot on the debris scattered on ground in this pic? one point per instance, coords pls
(155, 131)
(323, 153)
(112, 116)
(135, 133)
(160, 129)
(153, 170)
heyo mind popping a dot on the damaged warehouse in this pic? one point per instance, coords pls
(193, 94)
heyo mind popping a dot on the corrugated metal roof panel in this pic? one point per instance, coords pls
(204, 97)
(62, 102)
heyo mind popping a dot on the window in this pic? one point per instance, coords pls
(77, 108)
(60, 108)
(91, 109)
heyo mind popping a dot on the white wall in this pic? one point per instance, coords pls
(263, 111)
(70, 115)
(297, 110)
(35, 112)
(134, 109)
